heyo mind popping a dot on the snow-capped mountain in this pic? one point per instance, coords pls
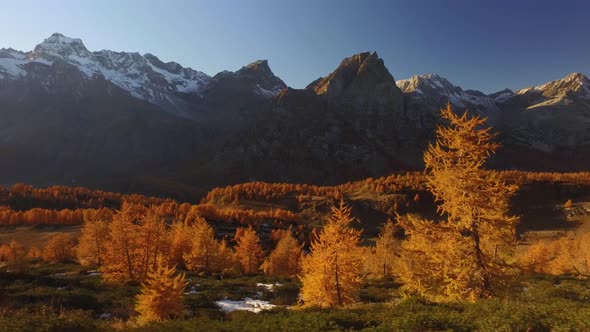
(425, 95)
(146, 77)
(548, 123)
(105, 116)
(573, 84)
(432, 88)
(143, 76)
(501, 96)
(122, 120)
(564, 91)
(545, 122)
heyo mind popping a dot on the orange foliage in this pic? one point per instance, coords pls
(37, 216)
(24, 197)
(560, 256)
(34, 253)
(331, 274)
(383, 256)
(244, 216)
(59, 249)
(285, 259)
(248, 251)
(204, 253)
(14, 255)
(461, 257)
(161, 296)
(95, 234)
(263, 191)
(137, 239)
(179, 239)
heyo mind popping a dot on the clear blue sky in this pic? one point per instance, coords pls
(485, 45)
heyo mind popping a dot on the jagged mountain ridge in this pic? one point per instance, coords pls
(58, 102)
(143, 76)
(552, 118)
(541, 128)
(575, 82)
(342, 122)
(433, 88)
(424, 95)
(114, 119)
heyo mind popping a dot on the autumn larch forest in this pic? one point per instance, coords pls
(340, 185)
(392, 246)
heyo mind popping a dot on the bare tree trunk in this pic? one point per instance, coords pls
(148, 249)
(206, 259)
(97, 245)
(128, 256)
(156, 249)
(485, 282)
(338, 291)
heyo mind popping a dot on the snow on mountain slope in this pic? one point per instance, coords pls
(574, 85)
(144, 76)
(12, 62)
(551, 117)
(502, 96)
(439, 90)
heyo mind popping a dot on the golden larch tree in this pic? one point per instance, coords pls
(59, 249)
(474, 204)
(14, 254)
(152, 239)
(565, 255)
(577, 255)
(285, 259)
(544, 256)
(435, 261)
(34, 253)
(94, 237)
(226, 258)
(331, 273)
(180, 238)
(123, 255)
(204, 248)
(161, 296)
(384, 255)
(248, 250)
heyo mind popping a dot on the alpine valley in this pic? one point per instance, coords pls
(130, 122)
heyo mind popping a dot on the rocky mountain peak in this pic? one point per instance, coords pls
(12, 53)
(174, 68)
(60, 46)
(144, 77)
(427, 82)
(357, 72)
(361, 80)
(502, 96)
(573, 85)
(437, 91)
(59, 39)
(258, 66)
(260, 74)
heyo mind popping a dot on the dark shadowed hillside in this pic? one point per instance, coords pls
(130, 122)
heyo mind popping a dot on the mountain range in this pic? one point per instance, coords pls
(130, 122)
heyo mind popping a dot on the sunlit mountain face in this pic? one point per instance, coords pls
(124, 120)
